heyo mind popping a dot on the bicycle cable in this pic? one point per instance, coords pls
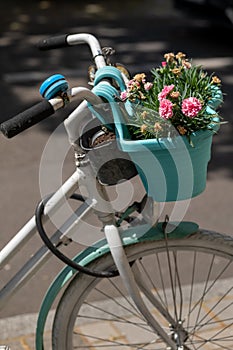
(39, 212)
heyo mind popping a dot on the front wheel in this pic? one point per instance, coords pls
(192, 278)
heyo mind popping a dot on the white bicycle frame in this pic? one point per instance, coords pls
(98, 201)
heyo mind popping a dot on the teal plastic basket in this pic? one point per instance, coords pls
(170, 169)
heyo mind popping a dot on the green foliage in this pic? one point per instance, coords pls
(181, 98)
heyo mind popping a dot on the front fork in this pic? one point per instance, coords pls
(105, 213)
(125, 271)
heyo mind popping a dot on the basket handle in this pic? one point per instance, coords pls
(109, 93)
(112, 73)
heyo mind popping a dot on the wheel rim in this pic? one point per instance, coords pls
(201, 289)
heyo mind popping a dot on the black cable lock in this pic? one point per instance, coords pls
(39, 215)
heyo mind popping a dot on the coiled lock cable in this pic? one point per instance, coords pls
(39, 212)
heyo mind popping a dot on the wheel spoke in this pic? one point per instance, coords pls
(191, 279)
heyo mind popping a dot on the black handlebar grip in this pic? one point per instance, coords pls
(26, 119)
(54, 42)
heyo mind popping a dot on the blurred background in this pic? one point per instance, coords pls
(140, 32)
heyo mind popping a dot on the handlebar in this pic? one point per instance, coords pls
(43, 110)
(46, 108)
(26, 119)
(75, 39)
(55, 42)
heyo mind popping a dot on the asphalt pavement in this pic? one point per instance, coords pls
(140, 32)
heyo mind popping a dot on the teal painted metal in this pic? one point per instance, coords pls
(143, 233)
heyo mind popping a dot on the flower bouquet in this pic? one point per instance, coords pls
(170, 124)
(181, 93)
(164, 126)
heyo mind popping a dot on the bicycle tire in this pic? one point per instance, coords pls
(95, 313)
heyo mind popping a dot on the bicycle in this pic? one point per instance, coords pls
(148, 284)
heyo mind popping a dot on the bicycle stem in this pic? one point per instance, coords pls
(76, 118)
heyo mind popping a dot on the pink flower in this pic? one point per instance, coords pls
(124, 95)
(166, 90)
(132, 85)
(164, 63)
(191, 106)
(130, 82)
(148, 86)
(165, 109)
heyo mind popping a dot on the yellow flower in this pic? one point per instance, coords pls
(169, 57)
(176, 71)
(216, 80)
(180, 55)
(143, 128)
(181, 130)
(157, 127)
(174, 94)
(144, 114)
(141, 95)
(139, 77)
